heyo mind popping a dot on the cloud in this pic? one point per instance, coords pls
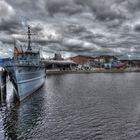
(8, 21)
(62, 6)
(9, 26)
(75, 29)
(73, 26)
(132, 6)
(105, 10)
(79, 46)
(137, 28)
(6, 10)
(5, 50)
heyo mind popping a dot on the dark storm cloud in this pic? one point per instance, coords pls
(62, 6)
(75, 29)
(28, 9)
(45, 42)
(76, 26)
(137, 28)
(8, 22)
(10, 26)
(105, 12)
(133, 6)
(7, 16)
(102, 9)
(37, 29)
(79, 46)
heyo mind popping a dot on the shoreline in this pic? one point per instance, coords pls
(50, 72)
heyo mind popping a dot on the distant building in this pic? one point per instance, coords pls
(106, 58)
(131, 62)
(57, 62)
(57, 56)
(81, 59)
(103, 61)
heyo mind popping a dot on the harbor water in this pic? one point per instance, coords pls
(98, 106)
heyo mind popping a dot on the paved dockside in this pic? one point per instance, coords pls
(82, 71)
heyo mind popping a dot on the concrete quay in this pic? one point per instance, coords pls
(49, 72)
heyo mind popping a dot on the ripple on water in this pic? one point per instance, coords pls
(81, 106)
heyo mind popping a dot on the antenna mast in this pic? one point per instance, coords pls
(29, 39)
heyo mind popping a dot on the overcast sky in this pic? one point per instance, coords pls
(87, 27)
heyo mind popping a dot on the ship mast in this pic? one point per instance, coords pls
(29, 39)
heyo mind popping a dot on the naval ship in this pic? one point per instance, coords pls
(26, 71)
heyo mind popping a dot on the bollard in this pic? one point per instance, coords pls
(3, 85)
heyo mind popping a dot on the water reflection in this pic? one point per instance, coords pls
(10, 118)
(17, 119)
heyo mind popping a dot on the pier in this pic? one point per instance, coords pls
(51, 72)
(3, 89)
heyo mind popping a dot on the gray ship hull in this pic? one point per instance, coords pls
(26, 79)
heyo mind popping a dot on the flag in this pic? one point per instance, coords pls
(16, 51)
